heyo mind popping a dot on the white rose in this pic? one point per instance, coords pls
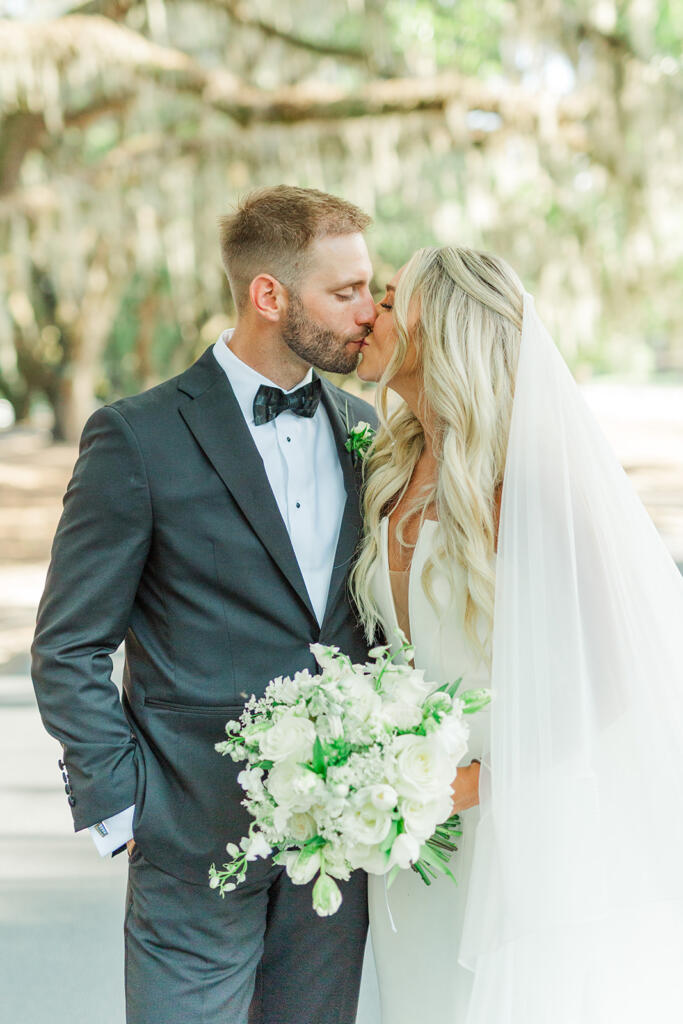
(368, 858)
(421, 818)
(405, 851)
(402, 683)
(400, 714)
(363, 701)
(292, 786)
(289, 737)
(423, 770)
(301, 827)
(365, 823)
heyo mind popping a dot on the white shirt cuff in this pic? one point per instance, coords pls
(111, 833)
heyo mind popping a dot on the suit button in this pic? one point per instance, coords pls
(71, 801)
(61, 764)
(65, 776)
(67, 789)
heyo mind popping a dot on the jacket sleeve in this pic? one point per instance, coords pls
(98, 556)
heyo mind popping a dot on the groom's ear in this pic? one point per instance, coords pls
(268, 297)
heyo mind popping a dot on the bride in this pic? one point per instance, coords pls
(503, 538)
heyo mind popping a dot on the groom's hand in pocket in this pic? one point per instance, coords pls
(130, 846)
(465, 787)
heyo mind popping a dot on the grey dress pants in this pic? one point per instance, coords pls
(260, 955)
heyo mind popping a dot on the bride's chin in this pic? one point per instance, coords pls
(365, 373)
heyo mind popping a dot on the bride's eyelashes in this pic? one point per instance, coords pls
(385, 305)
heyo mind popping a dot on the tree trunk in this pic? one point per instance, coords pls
(72, 402)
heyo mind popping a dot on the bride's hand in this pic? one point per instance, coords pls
(465, 787)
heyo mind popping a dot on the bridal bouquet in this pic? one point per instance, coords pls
(350, 768)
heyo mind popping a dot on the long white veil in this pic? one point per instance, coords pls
(575, 912)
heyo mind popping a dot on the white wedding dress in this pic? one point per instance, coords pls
(570, 910)
(420, 980)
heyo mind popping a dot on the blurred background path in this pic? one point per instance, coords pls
(61, 907)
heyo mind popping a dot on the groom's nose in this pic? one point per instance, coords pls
(366, 313)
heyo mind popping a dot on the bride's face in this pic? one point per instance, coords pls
(378, 347)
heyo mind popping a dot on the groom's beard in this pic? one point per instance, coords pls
(316, 344)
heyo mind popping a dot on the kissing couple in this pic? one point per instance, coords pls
(219, 525)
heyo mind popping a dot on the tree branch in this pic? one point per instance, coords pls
(95, 42)
(239, 12)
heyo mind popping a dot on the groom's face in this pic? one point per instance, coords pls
(332, 312)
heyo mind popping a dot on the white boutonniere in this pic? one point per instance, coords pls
(359, 439)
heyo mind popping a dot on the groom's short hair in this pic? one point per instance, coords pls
(272, 229)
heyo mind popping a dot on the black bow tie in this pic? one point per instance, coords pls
(270, 402)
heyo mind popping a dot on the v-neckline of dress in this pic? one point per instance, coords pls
(384, 528)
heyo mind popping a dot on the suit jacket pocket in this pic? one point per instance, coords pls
(194, 709)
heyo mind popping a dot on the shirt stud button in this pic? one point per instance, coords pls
(298, 504)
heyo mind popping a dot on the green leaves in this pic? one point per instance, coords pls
(319, 762)
(450, 688)
(385, 847)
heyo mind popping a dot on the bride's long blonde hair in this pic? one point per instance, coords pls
(467, 336)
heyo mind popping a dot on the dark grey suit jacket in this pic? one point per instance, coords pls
(171, 538)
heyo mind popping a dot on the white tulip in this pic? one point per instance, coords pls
(327, 896)
(302, 867)
(404, 851)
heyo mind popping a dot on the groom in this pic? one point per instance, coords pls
(210, 522)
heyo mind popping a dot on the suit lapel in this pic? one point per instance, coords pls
(337, 411)
(216, 421)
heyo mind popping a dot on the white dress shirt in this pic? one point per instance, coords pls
(302, 465)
